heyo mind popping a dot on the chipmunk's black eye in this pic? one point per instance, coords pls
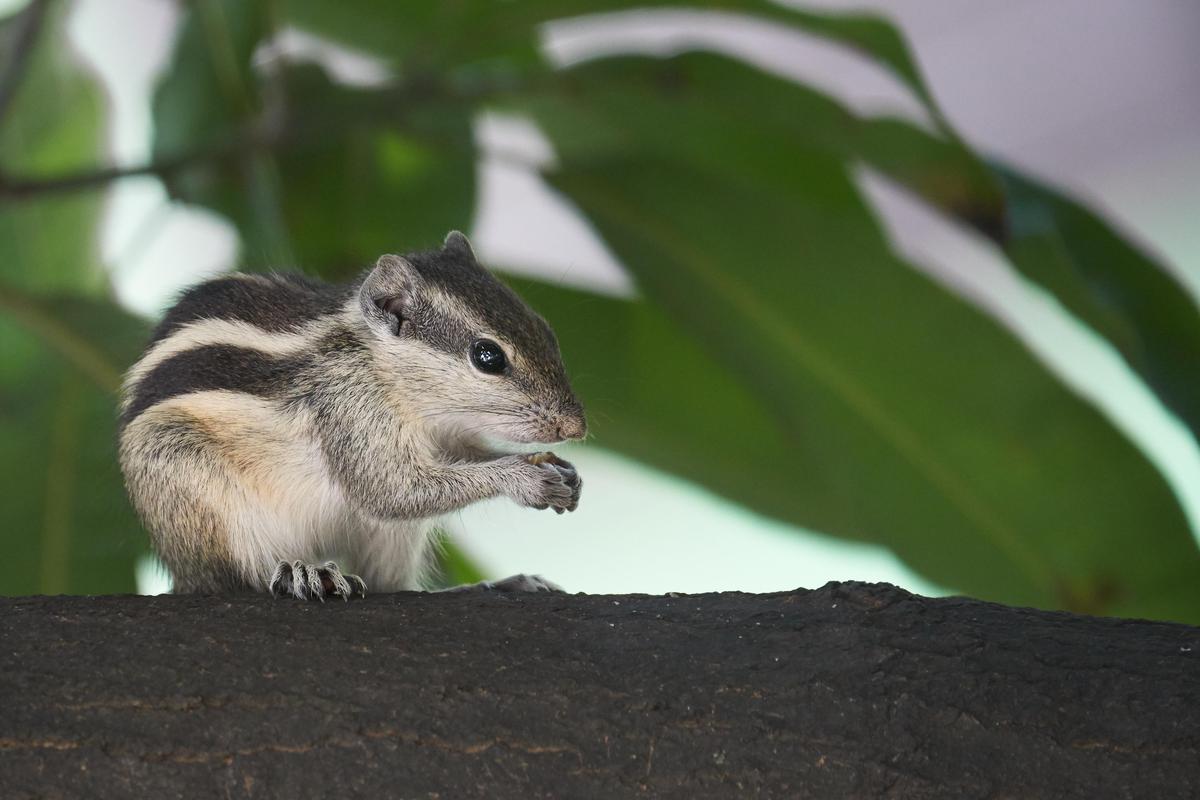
(487, 356)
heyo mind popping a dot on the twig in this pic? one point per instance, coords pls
(28, 25)
(84, 355)
(14, 187)
(18, 188)
(271, 130)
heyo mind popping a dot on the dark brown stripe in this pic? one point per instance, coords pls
(236, 369)
(274, 303)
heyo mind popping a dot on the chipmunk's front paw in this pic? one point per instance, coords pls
(548, 482)
(312, 581)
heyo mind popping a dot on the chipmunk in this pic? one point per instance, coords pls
(276, 422)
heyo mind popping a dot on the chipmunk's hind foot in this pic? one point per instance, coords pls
(314, 582)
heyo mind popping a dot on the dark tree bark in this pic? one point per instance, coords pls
(849, 690)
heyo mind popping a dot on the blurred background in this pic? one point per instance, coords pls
(898, 291)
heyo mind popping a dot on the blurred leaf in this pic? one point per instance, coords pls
(208, 105)
(875, 38)
(92, 336)
(314, 175)
(418, 34)
(454, 568)
(52, 126)
(1120, 292)
(388, 176)
(944, 173)
(288, 141)
(720, 96)
(209, 95)
(628, 361)
(1123, 294)
(910, 418)
(66, 525)
(601, 113)
(437, 36)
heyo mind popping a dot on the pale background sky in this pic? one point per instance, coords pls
(1098, 96)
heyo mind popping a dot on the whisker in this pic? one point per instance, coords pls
(476, 409)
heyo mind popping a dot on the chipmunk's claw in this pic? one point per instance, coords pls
(312, 581)
(563, 484)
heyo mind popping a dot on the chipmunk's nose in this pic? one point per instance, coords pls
(573, 426)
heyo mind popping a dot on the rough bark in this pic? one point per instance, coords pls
(849, 690)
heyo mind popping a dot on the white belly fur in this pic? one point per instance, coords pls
(282, 504)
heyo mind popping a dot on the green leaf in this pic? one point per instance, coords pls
(628, 361)
(1119, 292)
(909, 418)
(1104, 280)
(1108, 283)
(328, 177)
(873, 37)
(419, 32)
(387, 177)
(65, 525)
(210, 94)
(53, 125)
(207, 114)
(454, 567)
(1122, 293)
(431, 35)
(718, 95)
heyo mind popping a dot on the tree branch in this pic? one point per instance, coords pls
(20, 188)
(253, 139)
(852, 690)
(274, 128)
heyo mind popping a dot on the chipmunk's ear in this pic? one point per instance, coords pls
(386, 296)
(457, 244)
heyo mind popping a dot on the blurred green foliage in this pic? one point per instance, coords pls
(65, 523)
(779, 353)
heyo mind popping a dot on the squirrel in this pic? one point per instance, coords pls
(275, 422)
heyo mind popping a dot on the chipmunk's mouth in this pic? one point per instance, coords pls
(542, 429)
(533, 437)
(567, 429)
(571, 429)
(535, 426)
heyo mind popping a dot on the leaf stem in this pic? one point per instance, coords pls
(69, 344)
